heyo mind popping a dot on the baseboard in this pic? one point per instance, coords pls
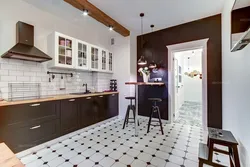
(51, 142)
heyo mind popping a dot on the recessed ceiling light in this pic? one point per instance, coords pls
(111, 28)
(85, 12)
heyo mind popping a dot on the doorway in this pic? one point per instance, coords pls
(188, 87)
(176, 74)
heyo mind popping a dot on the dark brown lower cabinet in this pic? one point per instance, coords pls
(86, 111)
(19, 137)
(101, 107)
(113, 107)
(23, 113)
(27, 125)
(69, 116)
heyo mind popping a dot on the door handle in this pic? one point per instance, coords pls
(71, 100)
(35, 105)
(88, 98)
(35, 127)
(100, 96)
(113, 94)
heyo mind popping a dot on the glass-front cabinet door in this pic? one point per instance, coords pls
(104, 60)
(94, 58)
(82, 55)
(110, 62)
(65, 51)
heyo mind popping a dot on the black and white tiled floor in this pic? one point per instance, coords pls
(108, 145)
(190, 113)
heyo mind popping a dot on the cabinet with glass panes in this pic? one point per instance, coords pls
(110, 62)
(104, 60)
(94, 58)
(60, 47)
(82, 55)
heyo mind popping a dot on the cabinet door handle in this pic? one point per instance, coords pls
(88, 98)
(100, 96)
(113, 94)
(35, 105)
(71, 100)
(35, 127)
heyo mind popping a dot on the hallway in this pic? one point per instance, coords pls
(190, 114)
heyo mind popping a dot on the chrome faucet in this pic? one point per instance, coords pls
(86, 86)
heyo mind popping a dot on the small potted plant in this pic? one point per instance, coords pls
(145, 73)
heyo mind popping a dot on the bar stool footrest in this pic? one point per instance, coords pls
(154, 125)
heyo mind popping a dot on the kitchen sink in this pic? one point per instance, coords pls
(80, 93)
(84, 93)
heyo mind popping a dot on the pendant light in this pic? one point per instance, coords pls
(152, 65)
(142, 61)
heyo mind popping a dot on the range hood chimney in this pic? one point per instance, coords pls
(25, 49)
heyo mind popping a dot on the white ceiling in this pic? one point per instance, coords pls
(241, 4)
(195, 61)
(161, 13)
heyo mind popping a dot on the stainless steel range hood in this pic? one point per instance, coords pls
(25, 49)
(243, 42)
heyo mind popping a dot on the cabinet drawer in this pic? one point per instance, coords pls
(19, 138)
(11, 115)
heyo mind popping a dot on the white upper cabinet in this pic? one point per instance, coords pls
(95, 58)
(82, 60)
(61, 48)
(110, 62)
(104, 60)
(71, 53)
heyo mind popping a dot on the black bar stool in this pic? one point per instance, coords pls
(129, 108)
(155, 109)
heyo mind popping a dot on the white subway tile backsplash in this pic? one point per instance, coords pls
(35, 69)
(16, 62)
(35, 79)
(29, 72)
(8, 67)
(15, 73)
(41, 74)
(8, 78)
(23, 67)
(3, 84)
(4, 72)
(23, 78)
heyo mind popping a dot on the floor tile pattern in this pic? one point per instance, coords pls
(108, 145)
(190, 114)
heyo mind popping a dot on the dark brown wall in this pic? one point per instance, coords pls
(240, 20)
(205, 28)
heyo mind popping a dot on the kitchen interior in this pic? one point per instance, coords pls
(79, 89)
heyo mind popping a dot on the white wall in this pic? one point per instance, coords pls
(180, 95)
(235, 88)
(193, 86)
(45, 23)
(121, 50)
(192, 89)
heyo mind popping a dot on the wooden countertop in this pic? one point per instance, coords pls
(8, 158)
(146, 83)
(54, 98)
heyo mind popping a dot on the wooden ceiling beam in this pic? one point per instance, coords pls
(99, 15)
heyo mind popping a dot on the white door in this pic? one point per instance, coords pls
(176, 90)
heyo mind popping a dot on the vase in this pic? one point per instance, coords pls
(145, 77)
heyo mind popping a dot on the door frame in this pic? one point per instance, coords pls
(198, 44)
